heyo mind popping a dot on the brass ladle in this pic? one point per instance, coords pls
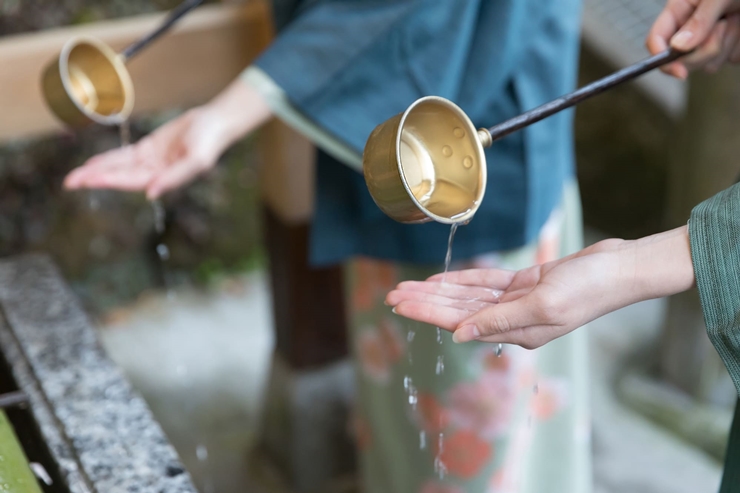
(427, 163)
(88, 82)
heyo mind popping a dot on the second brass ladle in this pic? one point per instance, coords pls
(427, 163)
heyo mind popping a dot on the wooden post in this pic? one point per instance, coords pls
(706, 161)
(308, 303)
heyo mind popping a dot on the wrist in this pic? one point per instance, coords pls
(234, 113)
(659, 265)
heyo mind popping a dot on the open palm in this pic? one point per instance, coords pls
(529, 308)
(169, 157)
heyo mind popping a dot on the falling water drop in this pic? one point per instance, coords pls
(40, 472)
(536, 389)
(439, 466)
(202, 453)
(163, 252)
(499, 350)
(159, 216)
(407, 382)
(439, 335)
(413, 398)
(93, 202)
(410, 336)
(124, 131)
(440, 365)
(422, 440)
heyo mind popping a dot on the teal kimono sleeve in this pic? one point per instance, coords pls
(714, 229)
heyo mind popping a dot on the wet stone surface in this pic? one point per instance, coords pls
(100, 432)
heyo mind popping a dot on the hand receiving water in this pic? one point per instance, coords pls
(179, 151)
(534, 306)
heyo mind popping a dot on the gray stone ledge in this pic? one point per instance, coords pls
(100, 432)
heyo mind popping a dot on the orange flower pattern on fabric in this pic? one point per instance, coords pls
(362, 294)
(464, 453)
(373, 281)
(492, 363)
(550, 398)
(386, 275)
(430, 415)
(483, 406)
(393, 342)
(379, 349)
(371, 352)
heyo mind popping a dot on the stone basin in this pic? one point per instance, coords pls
(84, 423)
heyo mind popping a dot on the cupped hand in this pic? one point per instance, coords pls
(529, 308)
(688, 25)
(169, 157)
(534, 306)
(180, 150)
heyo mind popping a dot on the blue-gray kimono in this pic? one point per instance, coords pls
(348, 65)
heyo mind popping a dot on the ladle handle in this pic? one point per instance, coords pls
(569, 100)
(174, 16)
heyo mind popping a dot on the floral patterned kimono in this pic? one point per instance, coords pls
(436, 417)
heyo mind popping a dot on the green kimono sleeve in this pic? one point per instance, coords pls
(714, 230)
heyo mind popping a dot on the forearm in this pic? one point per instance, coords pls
(235, 112)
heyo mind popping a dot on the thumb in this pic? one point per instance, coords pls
(699, 26)
(499, 319)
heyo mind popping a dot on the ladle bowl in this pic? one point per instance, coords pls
(427, 163)
(89, 83)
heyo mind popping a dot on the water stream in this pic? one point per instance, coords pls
(439, 466)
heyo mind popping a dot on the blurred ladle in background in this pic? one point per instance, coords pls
(88, 83)
(427, 163)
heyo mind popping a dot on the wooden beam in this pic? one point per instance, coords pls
(188, 66)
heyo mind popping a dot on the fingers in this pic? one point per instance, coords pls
(521, 313)
(709, 50)
(699, 26)
(734, 57)
(175, 176)
(128, 168)
(730, 43)
(395, 298)
(675, 14)
(444, 317)
(456, 291)
(529, 338)
(98, 165)
(492, 278)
